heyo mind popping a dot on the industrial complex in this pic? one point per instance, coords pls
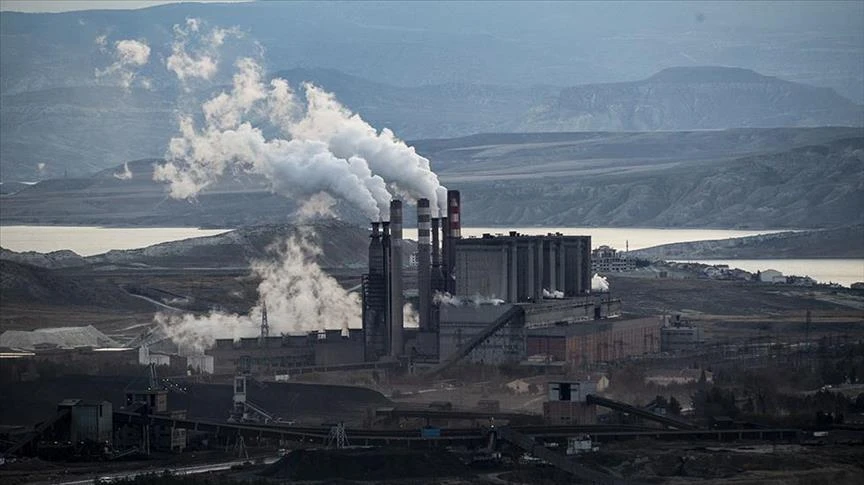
(497, 301)
(489, 300)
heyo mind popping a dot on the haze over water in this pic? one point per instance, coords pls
(88, 241)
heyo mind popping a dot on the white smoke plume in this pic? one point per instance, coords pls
(555, 294)
(40, 167)
(410, 318)
(599, 284)
(126, 174)
(444, 298)
(129, 55)
(319, 205)
(326, 153)
(348, 135)
(299, 295)
(229, 143)
(195, 54)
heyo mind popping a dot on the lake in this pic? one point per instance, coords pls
(616, 237)
(88, 241)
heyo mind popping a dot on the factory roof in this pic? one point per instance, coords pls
(586, 328)
(62, 337)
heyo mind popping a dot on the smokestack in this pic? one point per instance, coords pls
(376, 257)
(396, 278)
(454, 233)
(436, 255)
(424, 276)
(445, 251)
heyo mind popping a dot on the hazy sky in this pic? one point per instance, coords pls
(70, 5)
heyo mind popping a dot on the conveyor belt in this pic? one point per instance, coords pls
(642, 413)
(562, 462)
(476, 340)
(36, 433)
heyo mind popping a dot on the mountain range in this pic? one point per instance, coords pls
(744, 178)
(80, 130)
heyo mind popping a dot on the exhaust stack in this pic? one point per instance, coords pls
(396, 300)
(424, 277)
(454, 233)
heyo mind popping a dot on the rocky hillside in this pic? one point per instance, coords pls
(60, 132)
(687, 98)
(26, 284)
(745, 178)
(341, 244)
(843, 242)
(809, 187)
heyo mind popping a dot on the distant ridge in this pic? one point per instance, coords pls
(686, 98)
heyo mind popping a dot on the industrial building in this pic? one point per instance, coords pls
(519, 268)
(282, 354)
(493, 299)
(679, 338)
(606, 259)
(593, 342)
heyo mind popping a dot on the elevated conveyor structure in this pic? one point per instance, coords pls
(642, 413)
(562, 462)
(476, 340)
(37, 433)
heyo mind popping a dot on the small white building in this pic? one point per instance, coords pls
(772, 276)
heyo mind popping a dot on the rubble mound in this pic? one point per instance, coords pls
(364, 464)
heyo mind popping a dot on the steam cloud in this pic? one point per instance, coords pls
(128, 54)
(599, 283)
(325, 147)
(195, 54)
(299, 295)
(126, 174)
(445, 298)
(324, 153)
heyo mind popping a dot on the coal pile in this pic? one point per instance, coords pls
(365, 464)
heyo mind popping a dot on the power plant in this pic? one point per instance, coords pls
(483, 299)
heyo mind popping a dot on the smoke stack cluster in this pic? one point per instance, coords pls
(383, 301)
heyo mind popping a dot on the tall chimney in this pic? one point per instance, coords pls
(436, 279)
(396, 278)
(445, 251)
(383, 332)
(424, 276)
(376, 261)
(454, 233)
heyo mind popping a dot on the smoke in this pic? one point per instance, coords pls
(444, 298)
(126, 174)
(555, 294)
(347, 135)
(195, 54)
(410, 318)
(324, 153)
(299, 295)
(128, 54)
(319, 205)
(599, 284)
(228, 142)
(41, 168)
